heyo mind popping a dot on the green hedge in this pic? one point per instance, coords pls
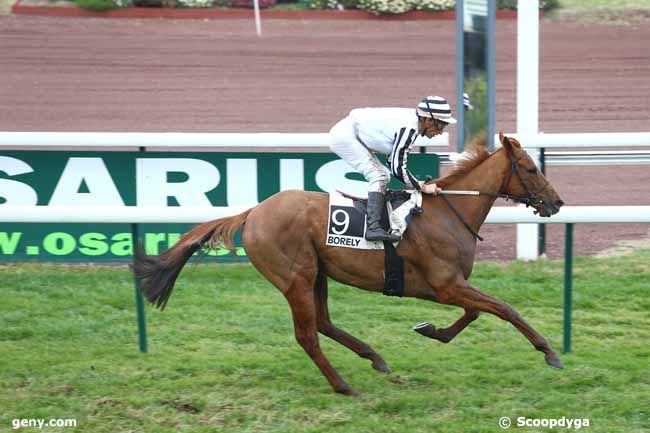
(95, 5)
(391, 7)
(379, 7)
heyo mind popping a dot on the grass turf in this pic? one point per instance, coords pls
(222, 357)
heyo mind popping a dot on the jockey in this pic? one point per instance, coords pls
(390, 131)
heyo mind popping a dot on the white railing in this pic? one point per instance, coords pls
(589, 139)
(160, 139)
(527, 235)
(179, 139)
(576, 157)
(572, 215)
(297, 140)
(115, 214)
(142, 214)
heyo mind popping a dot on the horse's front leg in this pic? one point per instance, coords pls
(469, 297)
(445, 335)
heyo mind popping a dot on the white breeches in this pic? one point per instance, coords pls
(344, 142)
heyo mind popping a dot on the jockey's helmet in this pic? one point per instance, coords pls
(467, 102)
(436, 107)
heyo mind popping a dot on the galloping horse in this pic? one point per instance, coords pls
(284, 237)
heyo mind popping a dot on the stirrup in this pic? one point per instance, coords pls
(381, 235)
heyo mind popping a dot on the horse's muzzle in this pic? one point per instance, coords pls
(545, 209)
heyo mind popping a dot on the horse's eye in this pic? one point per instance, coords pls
(532, 170)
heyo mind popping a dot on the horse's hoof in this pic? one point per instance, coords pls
(381, 366)
(425, 328)
(348, 391)
(553, 360)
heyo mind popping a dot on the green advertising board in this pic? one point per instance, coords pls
(84, 178)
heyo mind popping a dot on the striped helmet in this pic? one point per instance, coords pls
(436, 107)
(467, 102)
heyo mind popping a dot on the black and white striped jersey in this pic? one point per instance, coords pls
(391, 131)
(397, 160)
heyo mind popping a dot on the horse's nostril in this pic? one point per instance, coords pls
(559, 203)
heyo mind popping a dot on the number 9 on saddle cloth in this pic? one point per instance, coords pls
(347, 223)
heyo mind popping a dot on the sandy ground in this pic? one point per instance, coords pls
(71, 74)
(153, 75)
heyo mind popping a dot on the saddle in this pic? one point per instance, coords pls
(395, 198)
(393, 263)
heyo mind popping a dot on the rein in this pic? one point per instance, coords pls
(460, 217)
(530, 199)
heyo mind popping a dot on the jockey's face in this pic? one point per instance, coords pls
(430, 127)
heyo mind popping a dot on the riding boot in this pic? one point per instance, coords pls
(374, 231)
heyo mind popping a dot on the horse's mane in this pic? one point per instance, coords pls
(475, 153)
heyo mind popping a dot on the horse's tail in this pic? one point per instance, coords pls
(157, 274)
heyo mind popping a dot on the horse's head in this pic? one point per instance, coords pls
(527, 182)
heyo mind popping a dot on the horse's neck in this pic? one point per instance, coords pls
(486, 177)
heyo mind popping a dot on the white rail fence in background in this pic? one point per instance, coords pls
(319, 141)
(298, 140)
(142, 214)
(527, 237)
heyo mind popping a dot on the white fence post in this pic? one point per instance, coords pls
(527, 102)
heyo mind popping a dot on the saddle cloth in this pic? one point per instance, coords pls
(346, 225)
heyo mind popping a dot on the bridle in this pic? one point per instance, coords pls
(531, 198)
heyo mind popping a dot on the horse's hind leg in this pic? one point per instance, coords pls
(327, 328)
(445, 335)
(278, 240)
(301, 300)
(469, 297)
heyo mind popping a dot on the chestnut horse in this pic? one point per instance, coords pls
(284, 237)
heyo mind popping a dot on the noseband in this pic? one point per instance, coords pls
(531, 198)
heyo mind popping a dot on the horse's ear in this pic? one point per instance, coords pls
(505, 142)
(514, 142)
(509, 143)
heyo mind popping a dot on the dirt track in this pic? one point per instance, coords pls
(71, 74)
